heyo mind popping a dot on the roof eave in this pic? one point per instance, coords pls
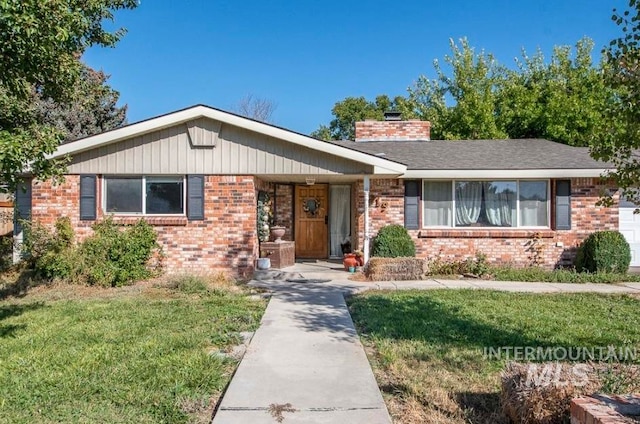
(185, 115)
(504, 173)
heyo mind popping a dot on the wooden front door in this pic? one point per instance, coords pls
(311, 229)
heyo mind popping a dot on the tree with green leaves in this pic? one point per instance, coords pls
(41, 42)
(91, 109)
(472, 82)
(620, 144)
(563, 100)
(354, 109)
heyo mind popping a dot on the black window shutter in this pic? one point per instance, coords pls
(411, 205)
(195, 197)
(563, 204)
(87, 197)
(23, 205)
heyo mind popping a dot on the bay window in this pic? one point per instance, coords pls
(504, 204)
(144, 195)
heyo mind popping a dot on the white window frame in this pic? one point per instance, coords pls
(143, 178)
(453, 205)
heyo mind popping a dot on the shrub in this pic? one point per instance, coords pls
(393, 269)
(112, 256)
(51, 253)
(115, 257)
(393, 241)
(6, 252)
(546, 399)
(477, 266)
(604, 251)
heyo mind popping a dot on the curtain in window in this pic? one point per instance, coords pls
(500, 203)
(468, 202)
(339, 218)
(437, 203)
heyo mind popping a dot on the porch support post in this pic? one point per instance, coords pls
(366, 219)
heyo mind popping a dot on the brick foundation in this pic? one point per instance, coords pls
(516, 247)
(225, 241)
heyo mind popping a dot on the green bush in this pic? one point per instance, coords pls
(604, 251)
(115, 257)
(6, 252)
(112, 256)
(51, 253)
(393, 241)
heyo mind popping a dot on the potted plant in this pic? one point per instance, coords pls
(359, 257)
(277, 231)
(349, 261)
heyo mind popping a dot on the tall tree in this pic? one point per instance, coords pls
(353, 109)
(256, 108)
(471, 83)
(40, 43)
(563, 100)
(91, 109)
(620, 145)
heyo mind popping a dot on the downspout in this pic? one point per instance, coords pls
(366, 219)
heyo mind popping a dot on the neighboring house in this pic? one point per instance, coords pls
(196, 175)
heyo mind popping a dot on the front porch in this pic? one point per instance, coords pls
(324, 216)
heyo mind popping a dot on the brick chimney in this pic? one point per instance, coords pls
(393, 128)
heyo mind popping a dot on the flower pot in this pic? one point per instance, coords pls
(277, 232)
(263, 263)
(349, 261)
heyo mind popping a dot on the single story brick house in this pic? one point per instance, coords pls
(196, 175)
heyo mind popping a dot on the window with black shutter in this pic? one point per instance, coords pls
(87, 197)
(563, 204)
(195, 197)
(411, 205)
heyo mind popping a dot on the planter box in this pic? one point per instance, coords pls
(282, 254)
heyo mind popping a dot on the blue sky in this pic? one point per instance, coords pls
(307, 55)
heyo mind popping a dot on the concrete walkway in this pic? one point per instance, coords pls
(305, 364)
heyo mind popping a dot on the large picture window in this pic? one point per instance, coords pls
(144, 195)
(501, 204)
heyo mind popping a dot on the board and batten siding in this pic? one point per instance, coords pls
(230, 151)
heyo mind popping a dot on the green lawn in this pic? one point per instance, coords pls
(426, 347)
(136, 354)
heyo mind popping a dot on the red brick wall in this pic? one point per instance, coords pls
(284, 209)
(225, 241)
(500, 246)
(412, 129)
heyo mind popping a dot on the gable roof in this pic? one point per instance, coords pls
(382, 165)
(478, 158)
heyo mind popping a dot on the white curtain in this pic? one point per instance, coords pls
(500, 204)
(339, 218)
(468, 202)
(437, 203)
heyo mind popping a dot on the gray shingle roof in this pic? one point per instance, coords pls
(480, 154)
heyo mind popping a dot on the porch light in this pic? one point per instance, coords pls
(310, 180)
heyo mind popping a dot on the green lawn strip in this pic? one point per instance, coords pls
(426, 347)
(135, 359)
(536, 274)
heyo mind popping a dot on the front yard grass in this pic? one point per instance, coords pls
(134, 354)
(426, 347)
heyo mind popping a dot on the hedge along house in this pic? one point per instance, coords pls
(196, 176)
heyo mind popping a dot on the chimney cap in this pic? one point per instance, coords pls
(392, 115)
